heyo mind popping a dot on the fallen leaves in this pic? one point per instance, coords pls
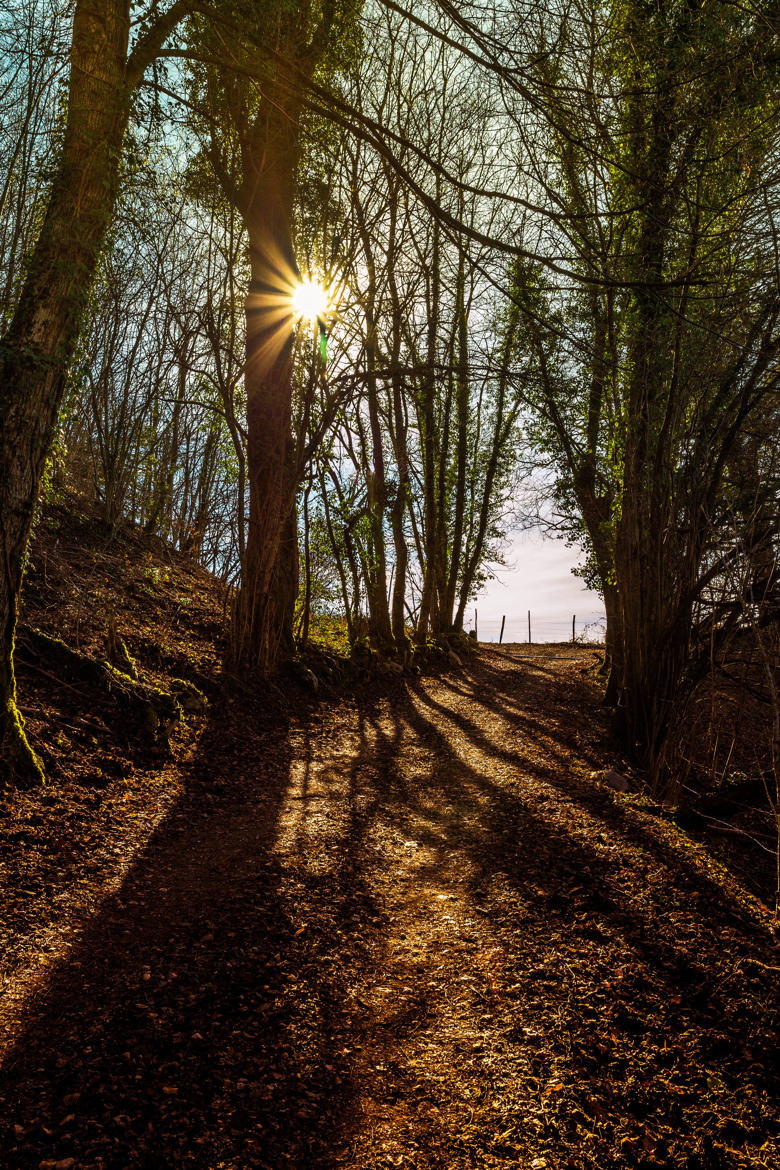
(463, 954)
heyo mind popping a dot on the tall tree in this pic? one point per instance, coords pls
(254, 110)
(661, 124)
(37, 346)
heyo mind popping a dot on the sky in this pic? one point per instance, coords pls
(537, 577)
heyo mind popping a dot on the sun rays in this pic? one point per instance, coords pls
(287, 299)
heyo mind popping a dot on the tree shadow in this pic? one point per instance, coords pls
(690, 947)
(196, 1021)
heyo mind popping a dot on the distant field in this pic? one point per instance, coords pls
(542, 630)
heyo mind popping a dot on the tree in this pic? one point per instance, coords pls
(253, 113)
(660, 174)
(38, 343)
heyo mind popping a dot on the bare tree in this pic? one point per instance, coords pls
(38, 343)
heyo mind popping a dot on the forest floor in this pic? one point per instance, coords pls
(402, 927)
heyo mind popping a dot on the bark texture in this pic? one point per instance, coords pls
(262, 631)
(40, 339)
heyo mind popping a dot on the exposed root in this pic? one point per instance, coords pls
(153, 710)
(20, 767)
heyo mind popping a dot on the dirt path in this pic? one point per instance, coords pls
(409, 932)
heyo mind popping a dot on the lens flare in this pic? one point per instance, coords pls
(310, 300)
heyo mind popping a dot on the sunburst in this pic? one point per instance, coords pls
(310, 300)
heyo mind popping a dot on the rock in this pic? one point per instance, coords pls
(614, 780)
(300, 672)
(191, 699)
(389, 666)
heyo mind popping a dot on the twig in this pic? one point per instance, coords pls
(47, 674)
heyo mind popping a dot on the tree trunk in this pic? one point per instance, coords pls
(350, 605)
(502, 430)
(613, 653)
(456, 569)
(398, 434)
(428, 442)
(39, 343)
(262, 632)
(379, 630)
(263, 621)
(397, 522)
(655, 627)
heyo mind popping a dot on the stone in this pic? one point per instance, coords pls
(614, 780)
(190, 698)
(302, 675)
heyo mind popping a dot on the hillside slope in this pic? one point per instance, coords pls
(109, 777)
(82, 581)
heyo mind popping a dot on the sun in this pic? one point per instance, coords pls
(310, 300)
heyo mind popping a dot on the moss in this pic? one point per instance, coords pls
(20, 767)
(110, 674)
(460, 642)
(166, 705)
(188, 695)
(117, 652)
(154, 709)
(148, 699)
(124, 661)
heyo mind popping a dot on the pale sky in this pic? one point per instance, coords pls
(537, 577)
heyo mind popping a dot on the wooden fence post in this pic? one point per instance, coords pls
(501, 635)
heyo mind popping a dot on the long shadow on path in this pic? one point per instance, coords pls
(194, 1023)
